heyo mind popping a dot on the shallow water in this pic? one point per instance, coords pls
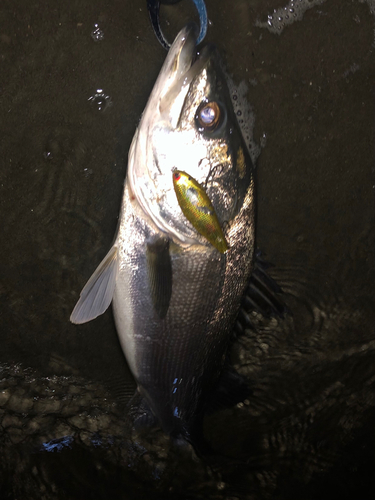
(74, 80)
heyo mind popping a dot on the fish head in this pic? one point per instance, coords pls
(189, 125)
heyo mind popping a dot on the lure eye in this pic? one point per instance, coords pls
(209, 116)
(176, 175)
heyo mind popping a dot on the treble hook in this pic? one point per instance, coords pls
(153, 7)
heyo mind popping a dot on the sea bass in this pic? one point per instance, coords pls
(183, 254)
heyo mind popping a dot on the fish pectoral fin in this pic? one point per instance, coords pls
(98, 292)
(159, 271)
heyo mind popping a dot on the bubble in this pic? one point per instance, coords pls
(87, 172)
(97, 34)
(280, 19)
(100, 100)
(371, 5)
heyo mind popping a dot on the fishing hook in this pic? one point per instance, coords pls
(153, 7)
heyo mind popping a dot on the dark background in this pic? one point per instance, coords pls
(63, 160)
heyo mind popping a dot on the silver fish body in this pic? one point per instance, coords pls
(175, 296)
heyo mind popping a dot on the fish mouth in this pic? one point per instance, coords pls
(175, 73)
(182, 53)
(187, 64)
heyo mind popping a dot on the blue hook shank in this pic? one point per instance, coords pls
(153, 7)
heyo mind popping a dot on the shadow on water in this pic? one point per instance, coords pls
(74, 80)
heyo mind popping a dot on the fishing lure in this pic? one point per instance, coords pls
(198, 209)
(153, 7)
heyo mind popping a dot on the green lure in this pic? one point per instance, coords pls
(198, 209)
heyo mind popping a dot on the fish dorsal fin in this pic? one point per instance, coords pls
(159, 270)
(98, 292)
(263, 294)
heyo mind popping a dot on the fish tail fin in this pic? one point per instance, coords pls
(98, 292)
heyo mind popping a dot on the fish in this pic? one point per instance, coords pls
(176, 289)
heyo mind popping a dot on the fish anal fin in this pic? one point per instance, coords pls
(231, 389)
(98, 292)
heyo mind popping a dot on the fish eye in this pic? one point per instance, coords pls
(209, 116)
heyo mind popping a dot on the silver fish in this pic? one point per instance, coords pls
(175, 296)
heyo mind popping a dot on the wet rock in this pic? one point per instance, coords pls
(20, 404)
(47, 406)
(4, 397)
(10, 420)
